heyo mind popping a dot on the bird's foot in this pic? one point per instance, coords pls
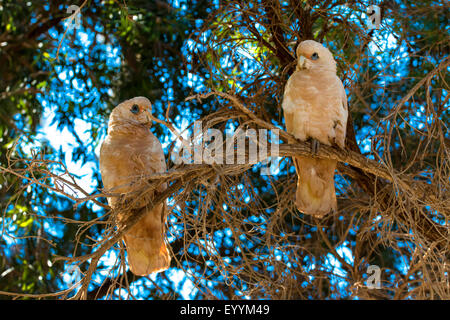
(315, 146)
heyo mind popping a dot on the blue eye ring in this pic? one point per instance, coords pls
(134, 109)
(315, 56)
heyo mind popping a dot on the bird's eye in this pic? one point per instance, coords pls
(135, 109)
(315, 56)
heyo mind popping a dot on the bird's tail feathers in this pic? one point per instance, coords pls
(147, 251)
(315, 194)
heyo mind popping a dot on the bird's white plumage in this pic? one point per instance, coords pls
(315, 106)
(129, 153)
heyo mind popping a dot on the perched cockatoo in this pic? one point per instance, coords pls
(129, 152)
(315, 108)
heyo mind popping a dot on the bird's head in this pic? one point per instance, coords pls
(135, 111)
(312, 55)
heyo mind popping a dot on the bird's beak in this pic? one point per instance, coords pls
(148, 115)
(301, 64)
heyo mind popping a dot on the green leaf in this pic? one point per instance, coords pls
(26, 223)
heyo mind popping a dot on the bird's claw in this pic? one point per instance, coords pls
(315, 146)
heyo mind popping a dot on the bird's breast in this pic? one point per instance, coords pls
(122, 160)
(310, 102)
